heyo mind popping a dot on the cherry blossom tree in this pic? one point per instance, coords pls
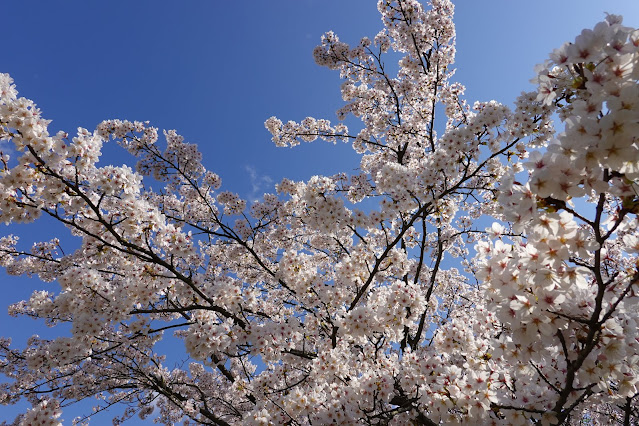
(384, 296)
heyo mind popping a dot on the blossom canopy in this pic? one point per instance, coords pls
(479, 267)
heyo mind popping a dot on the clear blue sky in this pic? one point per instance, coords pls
(215, 70)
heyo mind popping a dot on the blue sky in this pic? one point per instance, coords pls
(214, 71)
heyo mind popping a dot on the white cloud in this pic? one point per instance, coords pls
(259, 183)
